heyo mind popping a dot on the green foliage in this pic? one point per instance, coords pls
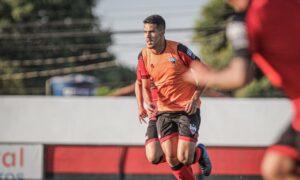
(11, 86)
(258, 88)
(104, 90)
(217, 52)
(211, 34)
(21, 11)
(117, 77)
(52, 29)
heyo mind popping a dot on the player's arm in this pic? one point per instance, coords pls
(147, 96)
(146, 93)
(187, 56)
(139, 96)
(235, 76)
(239, 71)
(192, 105)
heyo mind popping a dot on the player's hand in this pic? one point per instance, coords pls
(191, 107)
(197, 74)
(142, 115)
(150, 109)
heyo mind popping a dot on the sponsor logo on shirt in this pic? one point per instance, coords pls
(172, 60)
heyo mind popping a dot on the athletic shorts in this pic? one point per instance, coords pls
(289, 143)
(170, 124)
(151, 133)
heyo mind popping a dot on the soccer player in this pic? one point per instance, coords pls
(178, 102)
(153, 149)
(267, 32)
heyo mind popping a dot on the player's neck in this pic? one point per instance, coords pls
(160, 47)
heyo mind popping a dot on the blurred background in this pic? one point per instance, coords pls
(49, 44)
(54, 49)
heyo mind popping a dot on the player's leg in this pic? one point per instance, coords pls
(280, 161)
(168, 133)
(179, 170)
(188, 152)
(168, 136)
(169, 147)
(153, 149)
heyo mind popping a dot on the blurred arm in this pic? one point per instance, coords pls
(239, 72)
(236, 75)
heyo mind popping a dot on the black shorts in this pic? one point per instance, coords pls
(151, 133)
(289, 143)
(170, 124)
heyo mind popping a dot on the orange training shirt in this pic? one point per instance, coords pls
(167, 69)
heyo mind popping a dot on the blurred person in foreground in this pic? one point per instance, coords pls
(268, 33)
(178, 116)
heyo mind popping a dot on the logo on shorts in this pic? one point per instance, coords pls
(172, 60)
(193, 128)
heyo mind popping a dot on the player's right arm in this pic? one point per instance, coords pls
(139, 96)
(146, 86)
(238, 73)
(147, 96)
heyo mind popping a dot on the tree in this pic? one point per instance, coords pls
(217, 51)
(43, 38)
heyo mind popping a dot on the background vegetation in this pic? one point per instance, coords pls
(45, 38)
(216, 50)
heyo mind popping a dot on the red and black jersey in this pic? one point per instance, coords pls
(273, 28)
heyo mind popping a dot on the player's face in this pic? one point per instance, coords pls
(153, 35)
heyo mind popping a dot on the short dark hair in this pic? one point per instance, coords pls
(156, 19)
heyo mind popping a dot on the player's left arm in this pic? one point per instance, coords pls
(187, 56)
(192, 105)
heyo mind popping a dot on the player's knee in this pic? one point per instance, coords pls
(269, 171)
(184, 159)
(275, 166)
(266, 171)
(172, 160)
(156, 160)
(268, 167)
(152, 158)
